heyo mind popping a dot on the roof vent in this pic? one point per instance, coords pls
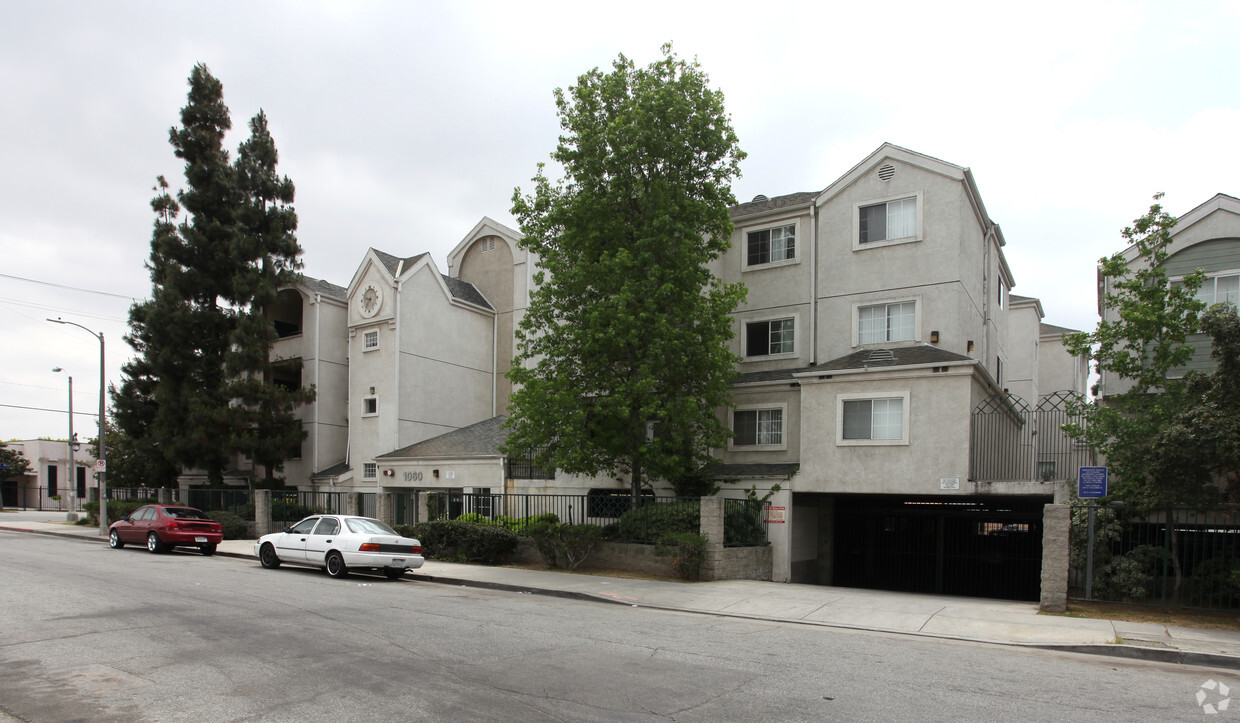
(759, 197)
(880, 358)
(886, 172)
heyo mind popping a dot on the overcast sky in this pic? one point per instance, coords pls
(404, 123)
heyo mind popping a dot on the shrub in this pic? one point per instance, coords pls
(235, 528)
(567, 545)
(743, 525)
(458, 541)
(652, 522)
(544, 535)
(688, 550)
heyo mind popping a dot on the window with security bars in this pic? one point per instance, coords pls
(764, 338)
(752, 427)
(770, 245)
(886, 322)
(887, 221)
(874, 419)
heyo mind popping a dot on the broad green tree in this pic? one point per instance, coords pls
(1142, 345)
(13, 464)
(623, 354)
(219, 251)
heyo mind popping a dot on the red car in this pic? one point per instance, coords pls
(163, 527)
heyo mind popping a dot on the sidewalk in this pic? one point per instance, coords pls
(990, 621)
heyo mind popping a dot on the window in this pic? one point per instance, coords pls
(370, 407)
(81, 482)
(1046, 470)
(887, 322)
(770, 245)
(51, 481)
(1002, 294)
(303, 527)
(870, 419)
(370, 470)
(764, 338)
(1220, 289)
(888, 221)
(999, 371)
(370, 340)
(327, 526)
(756, 427)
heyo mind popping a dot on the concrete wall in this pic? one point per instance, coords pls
(1056, 521)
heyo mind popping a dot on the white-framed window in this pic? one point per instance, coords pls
(759, 426)
(872, 419)
(887, 322)
(884, 221)
(370, 340)
(370, 470)
(770, 337)
(770, 245)
(370, 406)
(1220, 289)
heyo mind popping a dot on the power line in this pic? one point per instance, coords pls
(70, 288)
(45, 409)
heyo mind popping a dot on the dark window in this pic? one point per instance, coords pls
(81, 482)
(772, 244)
(52, 482)
(764, 338)
(758, 426)
(891, 220)
(327, 526)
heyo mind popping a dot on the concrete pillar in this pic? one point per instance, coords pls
(262, 512)
(421, 508)
(711, 527)
(385, 507)
(165, 495)
(1056, 523)
(350, 502)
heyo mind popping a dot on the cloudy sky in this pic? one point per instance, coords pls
(403, 123)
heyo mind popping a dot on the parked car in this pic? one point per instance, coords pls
(163, 527)
(340, 543)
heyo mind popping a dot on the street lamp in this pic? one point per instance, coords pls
(72, 444)
(103, 455)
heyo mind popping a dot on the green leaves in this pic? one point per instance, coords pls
(626, 325)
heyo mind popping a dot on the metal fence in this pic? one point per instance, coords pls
(1013, 441)
(1182, 558)
(289, 506)
(40, 498)
(645, 520)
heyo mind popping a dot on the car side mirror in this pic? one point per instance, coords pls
(288, 530)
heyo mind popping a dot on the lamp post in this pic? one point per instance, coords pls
(72, 444)
(103, 455)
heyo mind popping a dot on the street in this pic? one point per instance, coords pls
(91, 633)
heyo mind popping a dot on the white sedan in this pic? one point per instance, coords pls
(340, 543)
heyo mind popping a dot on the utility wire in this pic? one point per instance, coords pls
(70, 288)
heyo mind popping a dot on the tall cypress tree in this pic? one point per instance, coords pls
(265, 425)
(200, 389)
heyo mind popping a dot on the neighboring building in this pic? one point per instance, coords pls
(1206, 238)
(49, 477)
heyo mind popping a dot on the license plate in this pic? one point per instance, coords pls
(397, 562)
(200, 539)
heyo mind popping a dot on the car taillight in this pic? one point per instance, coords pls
(417, 549)
(369, 547)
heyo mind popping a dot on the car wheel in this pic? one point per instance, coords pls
(114, 539)
(153, 544)
(335, 565)
(207, 550)
(393, 573)
(267, 556)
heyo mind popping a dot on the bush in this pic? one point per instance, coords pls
(653, 522)
(457, 541)
(116, 508)
(688, 550)
(235, 528)
(567, 544)
(744, 525)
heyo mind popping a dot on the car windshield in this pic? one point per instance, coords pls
(366, 525)
(185, 513)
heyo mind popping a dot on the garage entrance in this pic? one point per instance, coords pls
(971, 546)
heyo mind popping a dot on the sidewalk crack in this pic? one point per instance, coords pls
(927, 622)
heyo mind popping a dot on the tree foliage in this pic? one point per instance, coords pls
(623, 356)
(1142, 344)
(13, 464)
(199, 388)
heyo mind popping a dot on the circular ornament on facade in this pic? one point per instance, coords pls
(370, 301)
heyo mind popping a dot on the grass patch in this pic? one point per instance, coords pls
(1207, 619)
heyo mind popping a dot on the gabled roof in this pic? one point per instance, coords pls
(393, 263)
(900, 356)
(477, 440)
(333, 471)
(1052, 330)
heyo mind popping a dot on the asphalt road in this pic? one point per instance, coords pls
(90, 633)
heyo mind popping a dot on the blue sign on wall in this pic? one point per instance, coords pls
(1092, 483)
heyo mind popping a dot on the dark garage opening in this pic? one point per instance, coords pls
(970, 546)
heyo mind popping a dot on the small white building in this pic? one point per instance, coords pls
(49, 484)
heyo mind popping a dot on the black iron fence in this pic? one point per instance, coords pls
(1013, 441)
(40, 498)
(1180, 558)
(645, 520)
